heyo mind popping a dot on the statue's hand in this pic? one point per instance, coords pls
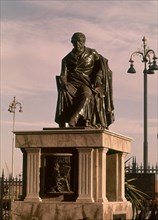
(100, 91)
(98, 82)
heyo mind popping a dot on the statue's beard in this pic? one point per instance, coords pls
(79, 50)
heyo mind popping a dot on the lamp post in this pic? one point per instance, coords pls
(11, 109)
(148, 57)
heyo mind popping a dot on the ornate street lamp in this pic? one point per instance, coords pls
(148, 57)
(12, 108)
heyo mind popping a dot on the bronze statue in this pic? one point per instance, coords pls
(84, 88)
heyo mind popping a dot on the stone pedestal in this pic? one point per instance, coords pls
(90, 185)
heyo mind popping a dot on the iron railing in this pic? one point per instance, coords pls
(136, 168)
(10, 190)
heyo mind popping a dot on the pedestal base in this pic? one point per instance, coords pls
(48, 210)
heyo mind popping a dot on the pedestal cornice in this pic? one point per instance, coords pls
(67, 137)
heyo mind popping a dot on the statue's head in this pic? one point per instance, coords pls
(78, 40)
(78, 36)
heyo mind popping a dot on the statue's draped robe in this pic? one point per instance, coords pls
(80, 72)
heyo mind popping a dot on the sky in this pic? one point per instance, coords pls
(36, 35)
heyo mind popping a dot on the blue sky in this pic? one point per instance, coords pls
(35, 36)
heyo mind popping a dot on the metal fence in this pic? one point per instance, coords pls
(136, 168)
(10, 190)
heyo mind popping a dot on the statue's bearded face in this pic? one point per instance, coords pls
(78, 44)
